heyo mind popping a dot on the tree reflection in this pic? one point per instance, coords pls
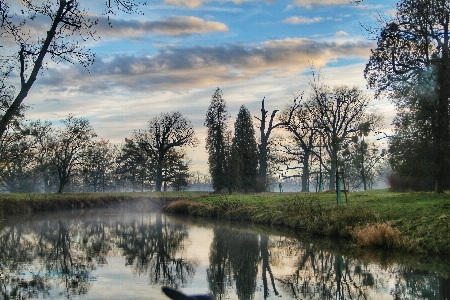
(39, 258)
(57, 259)
(264, 246)
(33, 255)
(321, 275)
(219, 271)
(234, 254)
(153, 248)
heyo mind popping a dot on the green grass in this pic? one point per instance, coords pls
(416, 222)
(410, 221)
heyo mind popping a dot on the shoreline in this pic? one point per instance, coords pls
(408, 222)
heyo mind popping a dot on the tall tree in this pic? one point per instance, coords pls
(412, 53)
(133, 164)
(301, 125)
(98, 161)
(245, 151)
(166, 133)
(67, 145)
(216, 123)
(264, 145)
(339, 113)
(59, 41)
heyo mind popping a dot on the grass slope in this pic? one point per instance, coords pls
(403, 221)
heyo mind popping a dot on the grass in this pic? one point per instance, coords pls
(15, 204)
(415, 222)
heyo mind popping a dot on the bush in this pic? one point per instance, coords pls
(378, 235)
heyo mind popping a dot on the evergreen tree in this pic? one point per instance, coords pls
(216, 122)
(245, 152)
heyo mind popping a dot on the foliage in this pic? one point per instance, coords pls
(244, 152)
(98, 163)
(216, 124)
(411, 64)
(166, 134)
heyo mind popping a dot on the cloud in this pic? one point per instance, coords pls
(171, 26)
(316, 3)
(197, 3)
(341, 33)
(302, 20)
(188, 3)
(174, 69)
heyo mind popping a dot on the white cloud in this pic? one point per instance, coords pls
(302, 20)
(341, 33)
(316, 3)
(188, 3)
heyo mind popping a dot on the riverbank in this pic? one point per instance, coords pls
(412, 222)
(23, 204)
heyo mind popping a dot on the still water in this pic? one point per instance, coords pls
(106, 254)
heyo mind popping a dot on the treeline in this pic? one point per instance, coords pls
(320, 135)
(39, 157)
(315, 138)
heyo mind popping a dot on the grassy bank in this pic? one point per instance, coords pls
(402, 221)
(15, 204)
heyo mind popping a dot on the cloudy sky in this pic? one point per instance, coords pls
(174, 55)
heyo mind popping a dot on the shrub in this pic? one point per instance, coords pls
(377, 235)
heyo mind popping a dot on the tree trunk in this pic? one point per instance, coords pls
(442, 132)
(332, 186)
(158, 181)
(262, 175)
(61, 188)
(305, 173)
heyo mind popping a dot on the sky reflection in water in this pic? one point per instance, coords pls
(112, 255)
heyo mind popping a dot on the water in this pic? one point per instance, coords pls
(106, 254)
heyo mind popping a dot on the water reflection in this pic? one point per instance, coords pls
(74, 257)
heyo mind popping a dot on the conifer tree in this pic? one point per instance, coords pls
(216, 122)
(245, 152)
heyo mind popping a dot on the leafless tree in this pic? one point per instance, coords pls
(69, 27)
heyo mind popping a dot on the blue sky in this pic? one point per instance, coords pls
(173, 57)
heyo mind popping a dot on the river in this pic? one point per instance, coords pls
(120, 254)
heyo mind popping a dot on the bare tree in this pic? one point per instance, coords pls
(165, 133)
(339, 113)
(66, 146)
(301, 125)
(264, 142)
(69, 25)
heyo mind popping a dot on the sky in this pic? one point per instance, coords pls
(175, 54)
